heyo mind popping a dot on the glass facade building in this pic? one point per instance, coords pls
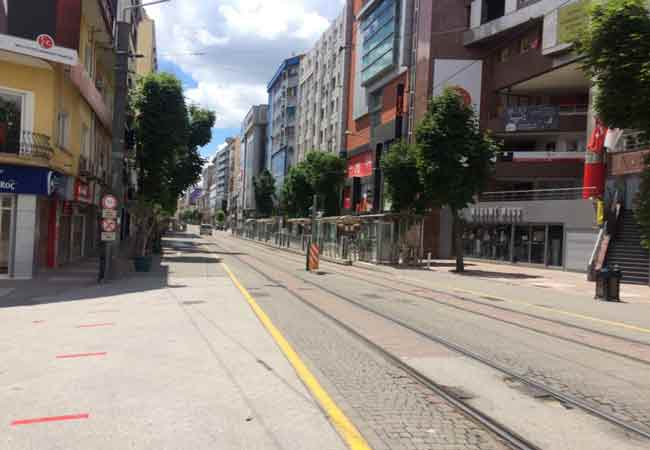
(379, 36)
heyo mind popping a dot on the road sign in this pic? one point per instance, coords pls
(109, 202)
(108, 237)
(109, 225)
(109, 214)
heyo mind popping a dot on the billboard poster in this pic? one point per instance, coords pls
(532, 118)
(42, 29)
(463, 75)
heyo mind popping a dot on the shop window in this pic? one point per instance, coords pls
(6, 214)
(522, 243)
(537, 244)
(555, 246)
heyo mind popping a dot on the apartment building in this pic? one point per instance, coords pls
(221, 163)
(512, 61)
(380, 54)
(56, 97)
(234, 178)
(322, 90)
(146, 46)
(283, 118)
(253, 156)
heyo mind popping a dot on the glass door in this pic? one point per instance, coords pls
(6, 217)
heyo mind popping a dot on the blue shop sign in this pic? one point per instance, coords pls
(30, 180)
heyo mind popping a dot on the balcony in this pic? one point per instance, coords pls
(29, 145)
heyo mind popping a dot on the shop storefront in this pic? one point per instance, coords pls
(553, 233)
(27, 195)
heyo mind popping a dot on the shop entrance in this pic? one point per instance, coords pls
(6, 225)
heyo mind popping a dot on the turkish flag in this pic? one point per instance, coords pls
(593, 184)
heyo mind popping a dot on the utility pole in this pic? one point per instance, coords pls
(122, 55)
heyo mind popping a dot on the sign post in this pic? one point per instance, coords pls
(108, 232)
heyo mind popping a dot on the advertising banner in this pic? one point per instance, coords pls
(42, 29)
(463, 75)
(532, 118)
(360, 165)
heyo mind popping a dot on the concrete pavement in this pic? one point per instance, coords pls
(173, 360)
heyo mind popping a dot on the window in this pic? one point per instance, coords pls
(492, 9)
(12, 107)
(504, 54)
(62, 130)
(379, 32)
(525, 44)
(88, 60)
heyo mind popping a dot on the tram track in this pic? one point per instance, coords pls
(570, 326)
(511, 374)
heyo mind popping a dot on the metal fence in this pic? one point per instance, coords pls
(539, 194)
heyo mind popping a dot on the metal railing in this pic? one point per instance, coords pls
(632, 141)
(539, 194)
(30, 145)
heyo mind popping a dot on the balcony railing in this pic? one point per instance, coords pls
(632, 141)
(539, 194)
(30, 145)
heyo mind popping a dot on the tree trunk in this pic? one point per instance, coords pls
(458, 242)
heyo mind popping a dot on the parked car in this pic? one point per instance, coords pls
(206, 228)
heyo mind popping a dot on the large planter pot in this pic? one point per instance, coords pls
(142, 263)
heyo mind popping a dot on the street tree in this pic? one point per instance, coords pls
(264, 186)
(326, 174)
(168, 135)
(454, 159)
(643, 206)
(615, 46)
(403, 186)
(220, 217)
(297, 192)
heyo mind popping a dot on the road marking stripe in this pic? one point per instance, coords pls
(94, 325)
(49, 419)
(343, 425)
(561, 311)
(81, 355)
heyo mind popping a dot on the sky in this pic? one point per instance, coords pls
(242, 44)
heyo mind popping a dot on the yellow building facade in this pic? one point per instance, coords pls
(56, 95)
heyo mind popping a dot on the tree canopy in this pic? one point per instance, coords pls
(167, 137)
(403, 186)
(264, 186)
(616, 50)
(321, 174)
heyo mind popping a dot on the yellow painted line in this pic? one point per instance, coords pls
(343, 425)
(560, 311)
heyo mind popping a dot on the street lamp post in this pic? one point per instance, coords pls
(122, 31)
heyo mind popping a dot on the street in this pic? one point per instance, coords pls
(232, 345)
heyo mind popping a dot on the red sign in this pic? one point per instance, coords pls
(360, 165)
(82, 191)
(109, 202)
(45, 41)
(109, 225)
(594, 174)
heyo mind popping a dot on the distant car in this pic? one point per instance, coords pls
(206, 228)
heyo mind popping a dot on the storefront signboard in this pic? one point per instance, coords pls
(628, 163)
(463, 76)
(360, 165)
(30, 180)
(82, 192)
(496, 215)
(109, 236)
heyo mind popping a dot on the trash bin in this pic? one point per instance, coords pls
(614, 285)
(602, 284)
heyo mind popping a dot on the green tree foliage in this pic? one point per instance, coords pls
(167, 138)
(326, 174)
(297, 192)
(264, 186)
(616, 50)
(220, 216)
(643, 206)
(454, 159)
(400, 170)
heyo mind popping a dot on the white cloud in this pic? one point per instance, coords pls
(243, 42)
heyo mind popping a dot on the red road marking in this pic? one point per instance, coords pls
(49, 419)
(94, 325)
(81, 355)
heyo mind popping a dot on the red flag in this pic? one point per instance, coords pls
(594, 178)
